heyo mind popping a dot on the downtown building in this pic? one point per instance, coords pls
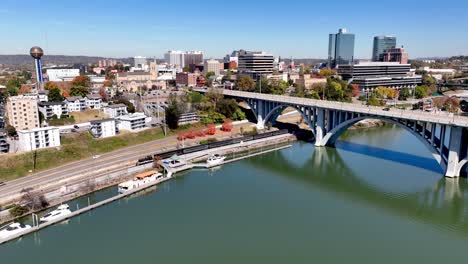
(381, 45)
(183, 58)
(255, 64)
(212, 66)
(370, 75)
(340, 48)
(22, 112)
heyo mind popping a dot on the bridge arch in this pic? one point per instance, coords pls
(271, 115)
(332, 136)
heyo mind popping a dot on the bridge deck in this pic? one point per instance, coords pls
(439, 118)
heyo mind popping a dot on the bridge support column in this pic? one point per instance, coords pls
(260, 114)
(319, 132)
(454, 147)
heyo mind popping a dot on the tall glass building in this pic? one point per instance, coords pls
(381, 44)
(340, 48)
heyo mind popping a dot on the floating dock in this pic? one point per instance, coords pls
(170, 171)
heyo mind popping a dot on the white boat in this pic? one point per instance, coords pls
(62, 210)
(13, 229)
(174, 162)
(214, 160)
(140, 180)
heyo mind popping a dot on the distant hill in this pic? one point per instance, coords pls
(52, 59)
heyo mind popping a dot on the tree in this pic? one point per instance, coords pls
(326, 72)
(227, 107)
(107, 83)
(227, 125)
(173, 112)
(209, 74)
(103, 93)
(81, 80)
(211, 129)
(80, 86)
(50, 85)
(464, 105)
(130, 106)
(186, 69)
(421, 91)
(245, 83)
(405, 93)
(55, 95)
(374, 101)
(79, 91)
(11, 131)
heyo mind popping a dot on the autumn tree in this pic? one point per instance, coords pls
(80, 86)
(227, 125)
(173, 112)
(245, 83)
(50, 85)
(55, 95)
(211, 129)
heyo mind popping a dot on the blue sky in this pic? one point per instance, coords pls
(122, 28)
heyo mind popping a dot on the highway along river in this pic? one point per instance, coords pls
(378, 197)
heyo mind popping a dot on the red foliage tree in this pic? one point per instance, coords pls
(211, 129)
(227, 125)
(200, 133)
(190, 135)
(355, 91)
(103, 94)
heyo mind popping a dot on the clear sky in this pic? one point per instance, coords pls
(124, 28)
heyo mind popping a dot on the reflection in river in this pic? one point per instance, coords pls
(378, 197)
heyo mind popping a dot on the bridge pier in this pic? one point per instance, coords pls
(454, 156)
(320, 127)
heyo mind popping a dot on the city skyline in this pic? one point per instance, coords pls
(298, 30)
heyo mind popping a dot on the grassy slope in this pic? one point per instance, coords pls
(74, 147)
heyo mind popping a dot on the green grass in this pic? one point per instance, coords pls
(73, 148)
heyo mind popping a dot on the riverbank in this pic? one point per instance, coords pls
(62, 191)
(368, 123)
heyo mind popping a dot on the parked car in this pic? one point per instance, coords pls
(386, 109)
(2, 183)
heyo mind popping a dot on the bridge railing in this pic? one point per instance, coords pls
(440, 118)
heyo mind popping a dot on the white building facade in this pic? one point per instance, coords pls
(62, 74)
(93, 101)
(132, 122)
(115, 110)
(49, 109)
(103, 128)
(75, 103)
(37, 138)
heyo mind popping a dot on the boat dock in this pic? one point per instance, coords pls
(81, 211)
(169, 174)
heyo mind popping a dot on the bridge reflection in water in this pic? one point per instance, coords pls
(442, 204)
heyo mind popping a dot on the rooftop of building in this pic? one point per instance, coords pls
(116, 106)
(38, 129)
(378, 63)
(73, 98)
(132, 116)
(50, 103)
(93, 96)
(102, 120)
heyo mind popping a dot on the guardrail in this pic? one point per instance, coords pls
(218, 144)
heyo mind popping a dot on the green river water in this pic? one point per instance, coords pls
(378, 197)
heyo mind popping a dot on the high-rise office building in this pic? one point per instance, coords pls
(382, 44)
(255, 63)
(183, 58)
(193, 58)
(174, 57)
(340, 48)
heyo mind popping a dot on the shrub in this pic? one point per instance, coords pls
(227, 125)
(211, 129)
(18, 210)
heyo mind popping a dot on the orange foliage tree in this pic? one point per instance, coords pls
(210, 129)
(227, 125)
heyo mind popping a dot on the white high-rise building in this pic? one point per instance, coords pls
(211, 66)
(175, 57)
